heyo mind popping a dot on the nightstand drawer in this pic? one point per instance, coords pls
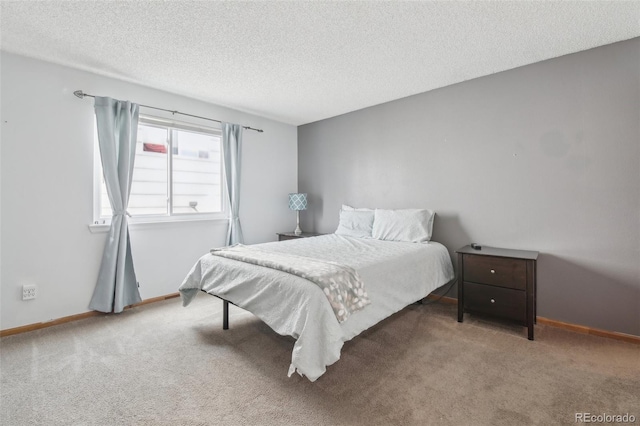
(498, 271)
(503, 302)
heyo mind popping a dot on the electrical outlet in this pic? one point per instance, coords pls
(28, 292)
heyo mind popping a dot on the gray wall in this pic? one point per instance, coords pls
(544, 157)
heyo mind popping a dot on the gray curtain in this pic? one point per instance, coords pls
(231, 151)
(117, 123)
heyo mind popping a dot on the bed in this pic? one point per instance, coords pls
(395, 274)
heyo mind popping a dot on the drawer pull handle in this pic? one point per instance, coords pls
(493, 301)
(493, 271)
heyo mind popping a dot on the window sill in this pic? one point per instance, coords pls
(99, 228)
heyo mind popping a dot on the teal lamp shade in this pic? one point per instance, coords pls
(298, 202)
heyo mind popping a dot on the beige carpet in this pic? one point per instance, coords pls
(162, 364)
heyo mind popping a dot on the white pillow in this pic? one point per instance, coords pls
(354, 223)
(412, 225)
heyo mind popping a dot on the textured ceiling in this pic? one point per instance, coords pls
(300, 62)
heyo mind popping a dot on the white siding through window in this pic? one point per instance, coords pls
(177, 171)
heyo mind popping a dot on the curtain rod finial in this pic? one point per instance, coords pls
(79, 93)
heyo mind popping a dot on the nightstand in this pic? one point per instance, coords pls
(292, 236)
(499, 282)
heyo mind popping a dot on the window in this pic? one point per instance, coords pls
(177, 173)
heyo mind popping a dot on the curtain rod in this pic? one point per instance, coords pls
(80, 94)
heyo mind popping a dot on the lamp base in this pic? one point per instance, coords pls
(298, 231)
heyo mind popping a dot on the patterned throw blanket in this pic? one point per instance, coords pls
(341, 284)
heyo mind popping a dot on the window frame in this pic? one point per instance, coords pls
(100, 222)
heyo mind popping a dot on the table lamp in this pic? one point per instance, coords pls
(298, 202)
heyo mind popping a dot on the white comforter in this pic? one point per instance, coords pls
(395, 274)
